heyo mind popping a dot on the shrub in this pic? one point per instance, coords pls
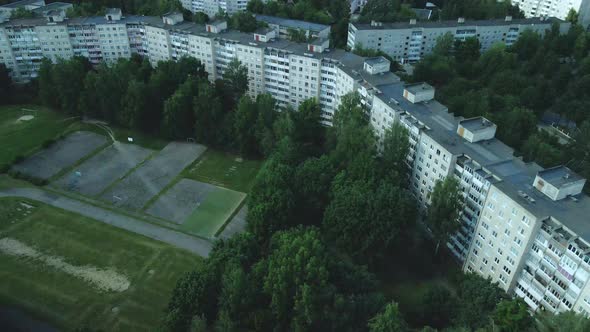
(48, 143)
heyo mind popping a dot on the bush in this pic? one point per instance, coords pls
(32, 179)
(18, 159)
(4, 168)
(48, 143)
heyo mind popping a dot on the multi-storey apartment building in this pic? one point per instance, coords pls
(522, 225)
(410, 41)
(213, 7)
(552, 8)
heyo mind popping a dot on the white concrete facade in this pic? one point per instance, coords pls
(409, 42)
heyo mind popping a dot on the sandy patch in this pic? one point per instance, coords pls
(105, 280)
(25, 118)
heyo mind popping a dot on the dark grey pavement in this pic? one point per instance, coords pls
(181, 240)
(63, 153)
(134, 191)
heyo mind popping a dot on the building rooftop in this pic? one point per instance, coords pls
(376, 60)
(294, 24)
(21, 3)
(113, 11)
(418, 87)
(559, 176)
(53, 6)
(455, 23)
(476, 124)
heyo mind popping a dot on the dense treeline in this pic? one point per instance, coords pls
(329, 210)
(397, 10)
(517, 86)
(174, 100)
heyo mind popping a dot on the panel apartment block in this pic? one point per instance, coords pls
(409, 42)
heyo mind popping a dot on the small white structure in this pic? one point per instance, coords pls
(55, 16)
(114, 14)
(172, 18)
(216, 26)
(319, 45)
(559, 182)
(476, 129)
(376, 65)
(264, 35)
(418, 92)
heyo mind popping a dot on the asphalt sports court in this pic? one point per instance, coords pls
(199, 208)
(61, 154)
(135, 190)
(94, 175)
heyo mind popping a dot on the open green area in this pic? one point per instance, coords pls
(24, 128)
(80, 272)
(215, 210)
(224, 170)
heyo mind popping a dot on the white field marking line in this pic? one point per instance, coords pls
(104, 280)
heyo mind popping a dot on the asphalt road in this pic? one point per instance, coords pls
(193, 244)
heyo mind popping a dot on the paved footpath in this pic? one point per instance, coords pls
(193, 244)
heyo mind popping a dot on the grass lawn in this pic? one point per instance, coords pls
(224, 170)
(215, 210)
(25, 137)
(67, 300)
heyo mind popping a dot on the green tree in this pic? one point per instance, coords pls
(353, 140)
(209, 116)
(390, 320)
(367, 220)
(236, 78)
(478, 298)
(178, 117)
(313, 179)
(437, 306)
(47, 87)
(244, 22)
(443, 212)
(68, 77)
(21, 13)
(271, 204)
(244, 126)
(567, 321)
(308, 129)
(512, 316)
(297, 279)
(396, 147)
(266, 111)
(516, 126)
(134, 104)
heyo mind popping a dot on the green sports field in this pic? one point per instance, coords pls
(72, 271)
(214, 212)
(23, 129)
(224, 170)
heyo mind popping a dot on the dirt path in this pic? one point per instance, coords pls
(193, 244)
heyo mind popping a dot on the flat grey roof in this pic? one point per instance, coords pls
(454, 23)
(417, 87)
(560, 175)
(289, 23)
(113, 11)
(21, 3)
(477, 123)
(53, 6)
(376, 60)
